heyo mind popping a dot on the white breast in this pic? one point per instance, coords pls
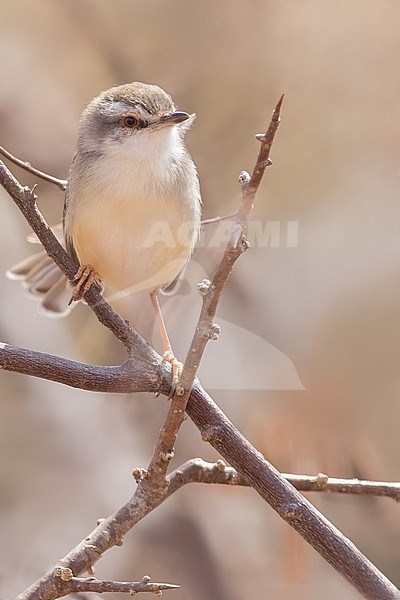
(132, 216)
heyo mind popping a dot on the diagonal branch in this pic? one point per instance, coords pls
(61, 183)
(206, 329)
(291, 506)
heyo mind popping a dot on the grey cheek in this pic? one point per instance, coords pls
(105, 132)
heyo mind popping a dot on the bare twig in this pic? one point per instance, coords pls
(109, 532)
(322, 483)
(61, 183)
(68, 584)
(197, 470)
(219, 219)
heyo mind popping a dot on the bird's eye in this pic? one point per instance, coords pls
(130, 121)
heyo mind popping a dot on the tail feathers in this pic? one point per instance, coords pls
(54, 303)
(21, 270)
(43, 280)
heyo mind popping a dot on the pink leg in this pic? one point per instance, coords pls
(167, 348)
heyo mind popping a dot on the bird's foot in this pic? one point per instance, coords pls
(176, 365)
(85, 276)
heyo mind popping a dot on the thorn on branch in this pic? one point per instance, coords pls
(91, 584)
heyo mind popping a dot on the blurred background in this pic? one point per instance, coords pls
(307, 362)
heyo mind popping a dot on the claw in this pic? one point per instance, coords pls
(85, 276)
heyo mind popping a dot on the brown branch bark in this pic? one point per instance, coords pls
(213, 424)
(65, 583)
(78, 584)
(298, 512)
(61, 183)
(206, 329)
(133, 375)
(136, 376)
(198, 470)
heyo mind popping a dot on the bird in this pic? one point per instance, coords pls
(132, 209)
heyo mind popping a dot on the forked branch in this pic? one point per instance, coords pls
(154, 486)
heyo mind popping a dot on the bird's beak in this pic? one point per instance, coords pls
(172, 119)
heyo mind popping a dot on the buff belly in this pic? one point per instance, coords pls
(132, 247)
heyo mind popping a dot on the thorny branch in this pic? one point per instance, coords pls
(68, 584)
(206, 329)
(214, 426)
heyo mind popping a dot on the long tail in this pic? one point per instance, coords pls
(44, 281)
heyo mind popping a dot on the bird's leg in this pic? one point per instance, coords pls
(168, 355)
(85, 276)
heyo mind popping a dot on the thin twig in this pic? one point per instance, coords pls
(61, 183)
(322, 483)
(206, 329)
(131, 377)
(198, 470)
(219, 219)
(68, 584)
